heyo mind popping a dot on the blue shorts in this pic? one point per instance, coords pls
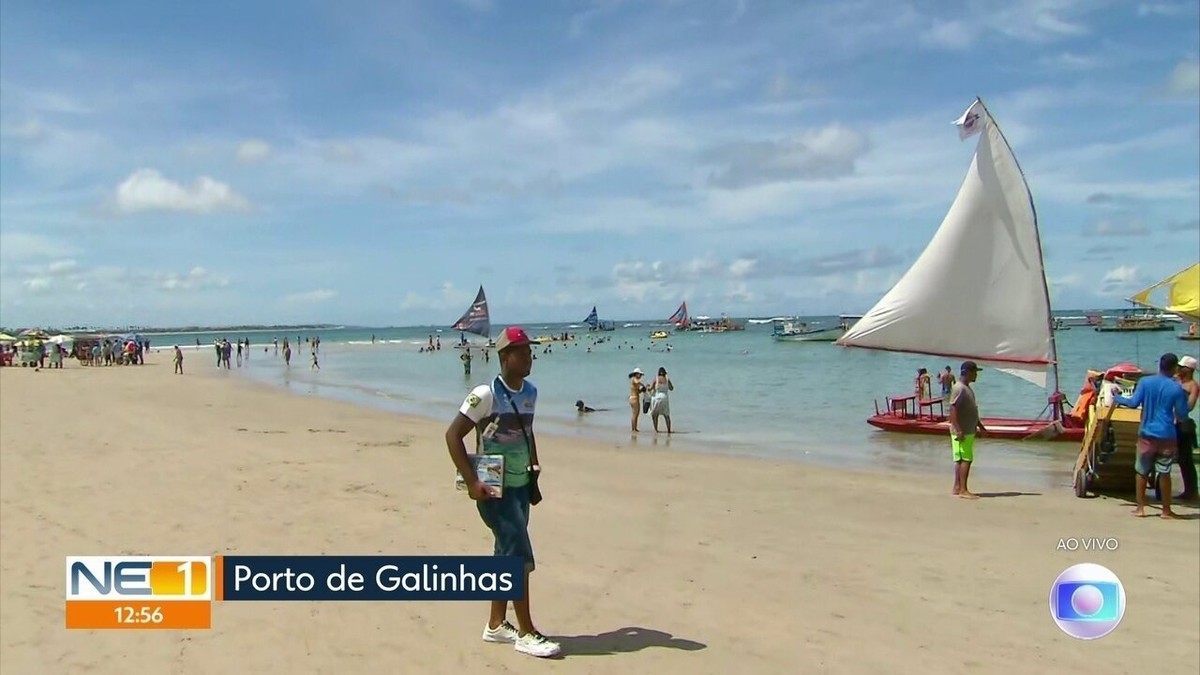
(508, 519)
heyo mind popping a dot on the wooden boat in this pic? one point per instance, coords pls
(977, 292)
(476, 320)
(790, 330)
(1135, 323)
(1178, 294)
(595, 324)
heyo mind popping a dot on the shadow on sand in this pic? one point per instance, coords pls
(989, 495)
(623, 640)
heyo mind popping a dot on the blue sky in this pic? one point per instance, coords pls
(375, 162)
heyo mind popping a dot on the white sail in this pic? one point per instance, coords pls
(978, 291)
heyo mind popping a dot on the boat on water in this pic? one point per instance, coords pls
(1178, 294)
(476, 321)
(794, 330)
(977, 292)
(595, 324)
(1135, 323)
(702, 324)
(659, 335)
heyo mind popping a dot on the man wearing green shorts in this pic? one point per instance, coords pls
(965, 425)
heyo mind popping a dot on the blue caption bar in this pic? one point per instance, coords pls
(373, 578)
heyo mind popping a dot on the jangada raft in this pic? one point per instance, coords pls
(978, 292)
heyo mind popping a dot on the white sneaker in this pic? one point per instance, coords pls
(505, 633)
(536, 644)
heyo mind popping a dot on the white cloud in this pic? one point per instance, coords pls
(825, 153)
(1165, 8)
(949, 34)
(148, 190)
(31, 129)
(253, 151)
(310, 297)
(21, 246)
(1185, 79)
(1109, 228)
(1125, 274)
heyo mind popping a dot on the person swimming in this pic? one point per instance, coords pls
(583, 408)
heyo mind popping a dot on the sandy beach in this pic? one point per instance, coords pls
(649, 559)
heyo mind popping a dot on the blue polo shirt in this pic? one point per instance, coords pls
(1162, 400)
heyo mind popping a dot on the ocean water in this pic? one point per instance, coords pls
(735, 393)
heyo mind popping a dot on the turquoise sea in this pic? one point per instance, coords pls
(736, 393)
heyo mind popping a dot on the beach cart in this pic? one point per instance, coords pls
(1105, 464)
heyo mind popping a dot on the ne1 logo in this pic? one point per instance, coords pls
(98, 577)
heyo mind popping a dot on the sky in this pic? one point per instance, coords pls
(374, 163)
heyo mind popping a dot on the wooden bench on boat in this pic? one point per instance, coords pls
(928, 404)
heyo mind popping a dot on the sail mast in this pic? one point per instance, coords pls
(1038, 235)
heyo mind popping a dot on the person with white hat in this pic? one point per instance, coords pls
(636, 389)
(1185, 429)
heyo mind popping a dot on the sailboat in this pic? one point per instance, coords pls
(1181, 297)
(476, 320)
(594, 323)
(977, 292)
(680, 318)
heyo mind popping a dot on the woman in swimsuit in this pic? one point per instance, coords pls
(635, 395)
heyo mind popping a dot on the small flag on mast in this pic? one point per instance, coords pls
(971, 121)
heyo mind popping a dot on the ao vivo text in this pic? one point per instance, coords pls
(1087, 544)
(177, 592)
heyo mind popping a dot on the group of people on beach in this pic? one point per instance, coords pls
(1166, 432)
(653, 398)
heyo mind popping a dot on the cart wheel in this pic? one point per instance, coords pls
(1081, 483)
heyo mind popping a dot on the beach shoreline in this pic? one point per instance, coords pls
(646, 560)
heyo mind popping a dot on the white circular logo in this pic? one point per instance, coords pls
(1087, 601)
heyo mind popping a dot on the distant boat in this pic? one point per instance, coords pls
(977, 292)
(793, 330)
(476, 320)
(594, 323)
(1180, 296)
(680, 318)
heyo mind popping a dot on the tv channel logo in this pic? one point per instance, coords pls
(139, 577)
(1087, 601)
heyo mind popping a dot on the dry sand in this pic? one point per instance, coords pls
(649, 560)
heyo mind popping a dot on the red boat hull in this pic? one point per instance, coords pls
(998, 427)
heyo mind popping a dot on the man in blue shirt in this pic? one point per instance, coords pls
(1162, 399)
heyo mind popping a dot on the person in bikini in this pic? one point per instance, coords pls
(635, 396)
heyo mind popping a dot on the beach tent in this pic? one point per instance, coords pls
(5, 337)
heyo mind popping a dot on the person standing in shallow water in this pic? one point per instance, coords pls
(965, 426)
(636, 388)
(660, 402)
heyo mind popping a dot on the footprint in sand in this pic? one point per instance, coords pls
(402, 443)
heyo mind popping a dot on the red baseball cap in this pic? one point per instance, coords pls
(513, 336)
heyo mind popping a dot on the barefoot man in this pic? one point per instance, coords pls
(1162, 400)
(964, 426)
(1186, 427)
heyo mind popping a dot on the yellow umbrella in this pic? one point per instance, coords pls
(5, 337)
